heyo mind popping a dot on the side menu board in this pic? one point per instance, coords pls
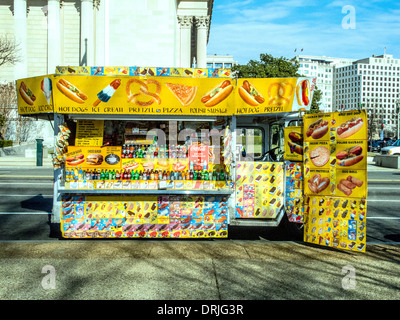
(89, 133)
(335, 169)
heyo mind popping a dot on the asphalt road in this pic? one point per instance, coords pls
(29, 192)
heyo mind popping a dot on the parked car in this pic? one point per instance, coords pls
(393, 150)
(373, 146)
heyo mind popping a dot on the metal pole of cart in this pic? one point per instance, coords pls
(232, 198)
(56, 212)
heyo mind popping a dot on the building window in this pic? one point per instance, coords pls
(227, 65)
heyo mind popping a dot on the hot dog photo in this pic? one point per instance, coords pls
(351, 125)
(26, 93)
(217, 94)
(294, 149)
(250, 94)
(317, 126)
(351, 155)
(71, 91)
(303, 93)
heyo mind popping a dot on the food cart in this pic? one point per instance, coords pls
(184, 153)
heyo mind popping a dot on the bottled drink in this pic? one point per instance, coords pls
(102, 174)
(173, 151)
(156, 152)
(117, 175)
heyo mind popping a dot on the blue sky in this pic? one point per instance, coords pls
(246, 28)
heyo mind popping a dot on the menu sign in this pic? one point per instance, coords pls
(89, 133)
(93, 157)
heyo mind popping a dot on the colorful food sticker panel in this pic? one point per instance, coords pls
(294, 191)
(259, 189)
(144, 217)
(336, 222)
(145, 71)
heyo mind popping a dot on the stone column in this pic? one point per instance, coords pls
(20, 32)
(185, 23)
(100, 33)
(86, 36)
(53, 35)
(202, 24)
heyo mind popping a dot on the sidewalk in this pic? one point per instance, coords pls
(196, 270)
(22, 162)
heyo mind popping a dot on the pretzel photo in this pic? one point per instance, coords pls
(135, 95)
(283, 93)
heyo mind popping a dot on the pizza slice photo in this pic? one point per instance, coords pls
(184, 93)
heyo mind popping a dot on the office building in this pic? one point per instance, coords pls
(220, 61)
(322, 68)
(373, 82)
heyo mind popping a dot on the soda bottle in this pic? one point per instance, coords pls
(117, 175)
(132, 154)
(164, 177)
(195, 175)
(66, 174)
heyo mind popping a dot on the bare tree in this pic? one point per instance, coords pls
(8, 50)
(8, 106)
